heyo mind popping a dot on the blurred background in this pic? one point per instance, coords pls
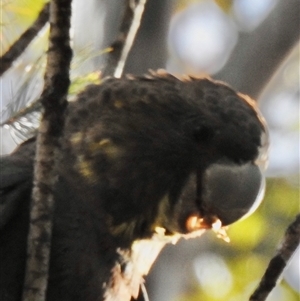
(251, 44)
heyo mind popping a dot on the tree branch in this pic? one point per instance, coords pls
(258, 54)
(24, 40)
(129, 26)
(289, 245)
(54, 103)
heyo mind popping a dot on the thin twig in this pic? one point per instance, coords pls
(33, 107)
(289, 245)
(129, 26)
(24, 40)
(54, 103)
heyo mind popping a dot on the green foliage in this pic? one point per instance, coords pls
(16, 17)
(80, 82)
(26, 10)
(224, 4)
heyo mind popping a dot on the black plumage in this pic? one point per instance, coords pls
(140, 159)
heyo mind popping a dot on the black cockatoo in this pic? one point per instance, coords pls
(143, 161)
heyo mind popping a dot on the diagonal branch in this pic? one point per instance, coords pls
(279, 261)
(24, 40)
(121, 46)
(54, 104)
(259, 53)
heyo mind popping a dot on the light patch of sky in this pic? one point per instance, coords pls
(213, 275)
(250, 13)
(280, 106)
(200, 44)
(284, 153)
(202, 36)
(284, 111)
